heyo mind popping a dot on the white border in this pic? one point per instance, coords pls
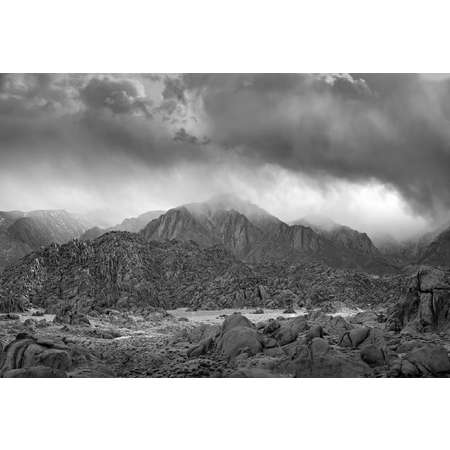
(224, 414)
(232, 36)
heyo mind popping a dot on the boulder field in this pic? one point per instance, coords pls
(320, 346)
(407, 338)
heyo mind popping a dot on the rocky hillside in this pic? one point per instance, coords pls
(118, 269)
(131, 224)
(255, 236)
(123, 270)
(23, 232)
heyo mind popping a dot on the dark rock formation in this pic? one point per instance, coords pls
(118, 270)
(425, 361)
(425, 304)
(238, 335)
(30, 356)
(123, 270)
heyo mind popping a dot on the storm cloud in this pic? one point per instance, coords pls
(134, 142)
(389, 128)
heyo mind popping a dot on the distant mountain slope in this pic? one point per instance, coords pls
(438, 251)
(131, 224)
(430, 247)
(23, 232)
(341, 235)
(254, 235)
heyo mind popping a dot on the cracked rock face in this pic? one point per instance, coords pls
(426, 302)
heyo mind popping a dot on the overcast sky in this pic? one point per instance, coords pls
(371, 151)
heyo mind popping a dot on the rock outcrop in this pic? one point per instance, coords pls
(425, 304)
(37, 357)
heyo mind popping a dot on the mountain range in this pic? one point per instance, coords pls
(23, 232)
(250, 233)
(224, 252)
(255, 236)
(131, 224)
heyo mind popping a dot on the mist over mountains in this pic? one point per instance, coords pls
(370, 151)
(224, 225)
(249, 232)
(114, 303)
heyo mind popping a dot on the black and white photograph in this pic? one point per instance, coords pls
(224, 226)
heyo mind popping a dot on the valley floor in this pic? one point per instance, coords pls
(219, 343)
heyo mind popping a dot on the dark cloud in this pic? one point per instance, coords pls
(86, 120)
(119, 96)
(173, 90)
(390, 129)
(183, 136)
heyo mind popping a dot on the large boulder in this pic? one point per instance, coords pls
(235, 320)
(354, 337)
(26, 351)
(239, 340)
(238, 335)
(315, 331)
(298, 324)
(374, 355)
(423, 361)
(285, 335)
(27, 355)
(430, 360)
(425, 303)
(285, 331)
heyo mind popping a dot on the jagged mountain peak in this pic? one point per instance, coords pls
(253, 235)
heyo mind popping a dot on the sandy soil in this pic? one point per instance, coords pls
(217, 315)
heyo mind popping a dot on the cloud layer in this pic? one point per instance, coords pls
(131, 142)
